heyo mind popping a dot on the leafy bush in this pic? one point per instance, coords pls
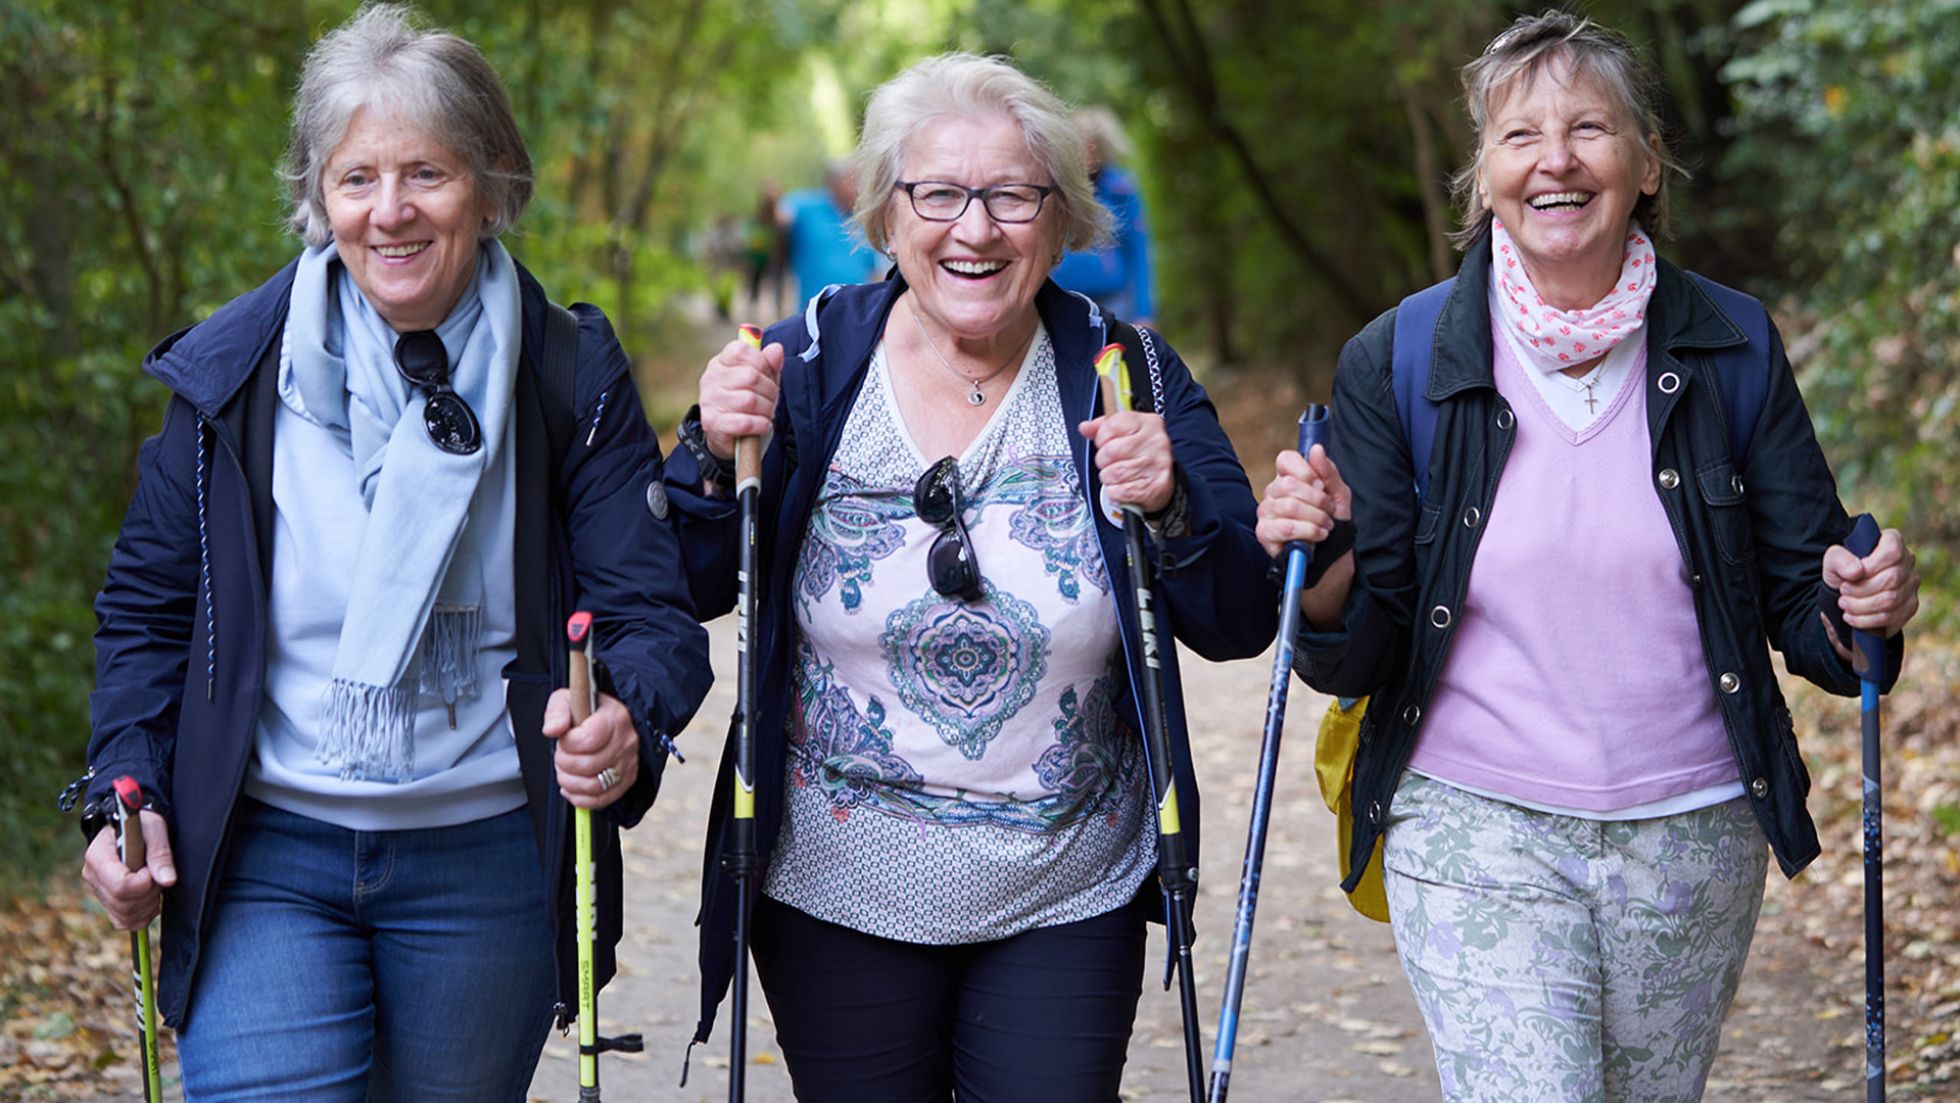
(1850, 120)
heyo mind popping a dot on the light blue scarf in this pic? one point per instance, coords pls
(416, 607)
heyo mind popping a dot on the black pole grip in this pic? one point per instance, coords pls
(1867, 650)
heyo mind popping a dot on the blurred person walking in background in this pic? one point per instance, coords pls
(822, 246)
(1117, 270)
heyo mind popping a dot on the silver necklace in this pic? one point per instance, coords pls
(974, 396)
(1586, 383)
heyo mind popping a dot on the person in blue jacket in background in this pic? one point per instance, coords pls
(335, 616)
(823, 248)
(1116, 271)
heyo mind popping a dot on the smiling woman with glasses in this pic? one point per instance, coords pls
(334, 618)
(956, 828)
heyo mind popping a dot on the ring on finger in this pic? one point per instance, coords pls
(608, 778)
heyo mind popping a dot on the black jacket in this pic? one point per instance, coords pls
(1752, 529)
(180, 653)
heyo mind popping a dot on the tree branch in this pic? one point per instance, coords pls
(1193, 65)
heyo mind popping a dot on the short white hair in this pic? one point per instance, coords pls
(433, 79)
(962, 85)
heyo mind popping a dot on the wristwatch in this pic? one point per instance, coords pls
(693, 438)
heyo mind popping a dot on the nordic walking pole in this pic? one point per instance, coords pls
(1868, 659)
(584, 693)
(585, 699)
(740, 857)
(1313, 430)
(130, 846)
(1177, 867)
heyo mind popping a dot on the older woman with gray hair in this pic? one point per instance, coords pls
(951, 797)
(1586, 502)
(335, 615)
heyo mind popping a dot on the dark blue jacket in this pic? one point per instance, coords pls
(1751, 528)
(180, 651)
(1212, 588)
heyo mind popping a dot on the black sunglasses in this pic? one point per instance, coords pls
(950, 564)
(424, 362)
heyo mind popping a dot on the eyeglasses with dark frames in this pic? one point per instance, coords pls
(423, 361)
(950, 563)
(945, 201)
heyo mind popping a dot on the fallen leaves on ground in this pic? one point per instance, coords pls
(1920, 780)
(67, 1026)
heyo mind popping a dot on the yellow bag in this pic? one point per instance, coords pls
(1333, 763)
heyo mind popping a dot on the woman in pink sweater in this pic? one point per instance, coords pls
(1576, 749)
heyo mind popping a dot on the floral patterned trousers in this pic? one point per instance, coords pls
(1565, 959)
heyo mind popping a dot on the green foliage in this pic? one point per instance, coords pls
(144, 197)
(1851, 124)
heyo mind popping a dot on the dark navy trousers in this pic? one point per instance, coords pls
(1045, 1014)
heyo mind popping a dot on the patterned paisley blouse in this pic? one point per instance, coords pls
(956, 772)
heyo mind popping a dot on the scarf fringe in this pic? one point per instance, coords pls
(449, 654)
(367, 731)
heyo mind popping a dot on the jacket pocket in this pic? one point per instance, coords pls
(1427, 523)
(1722, 492)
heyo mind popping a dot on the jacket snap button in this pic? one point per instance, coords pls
(1505, 420)
(1668, 382)
(1736, 484)
(1669, 478)
(1440, 616)
(1412, 714)
(1472, 516)
(1374, 811)
(1759, 788)
(1730, 683)
(1694, 581)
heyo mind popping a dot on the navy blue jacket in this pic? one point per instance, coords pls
(180, 651)
(1212, 588)
(1752, 530)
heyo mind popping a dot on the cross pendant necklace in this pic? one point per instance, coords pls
(1587, 382)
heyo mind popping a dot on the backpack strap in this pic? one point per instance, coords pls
(1741, 371)
(557, 380)
(1414, 343)
(1140, 348)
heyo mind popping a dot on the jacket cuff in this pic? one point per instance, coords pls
(98, 805)
(1895, 647)
(1180, 545)
(654, 744)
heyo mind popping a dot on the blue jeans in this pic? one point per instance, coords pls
(368, 966)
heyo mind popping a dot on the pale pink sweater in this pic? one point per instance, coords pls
(1576, 678)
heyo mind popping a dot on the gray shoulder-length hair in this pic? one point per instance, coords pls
(432, 79)
(1599, 54)
(968, 85)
